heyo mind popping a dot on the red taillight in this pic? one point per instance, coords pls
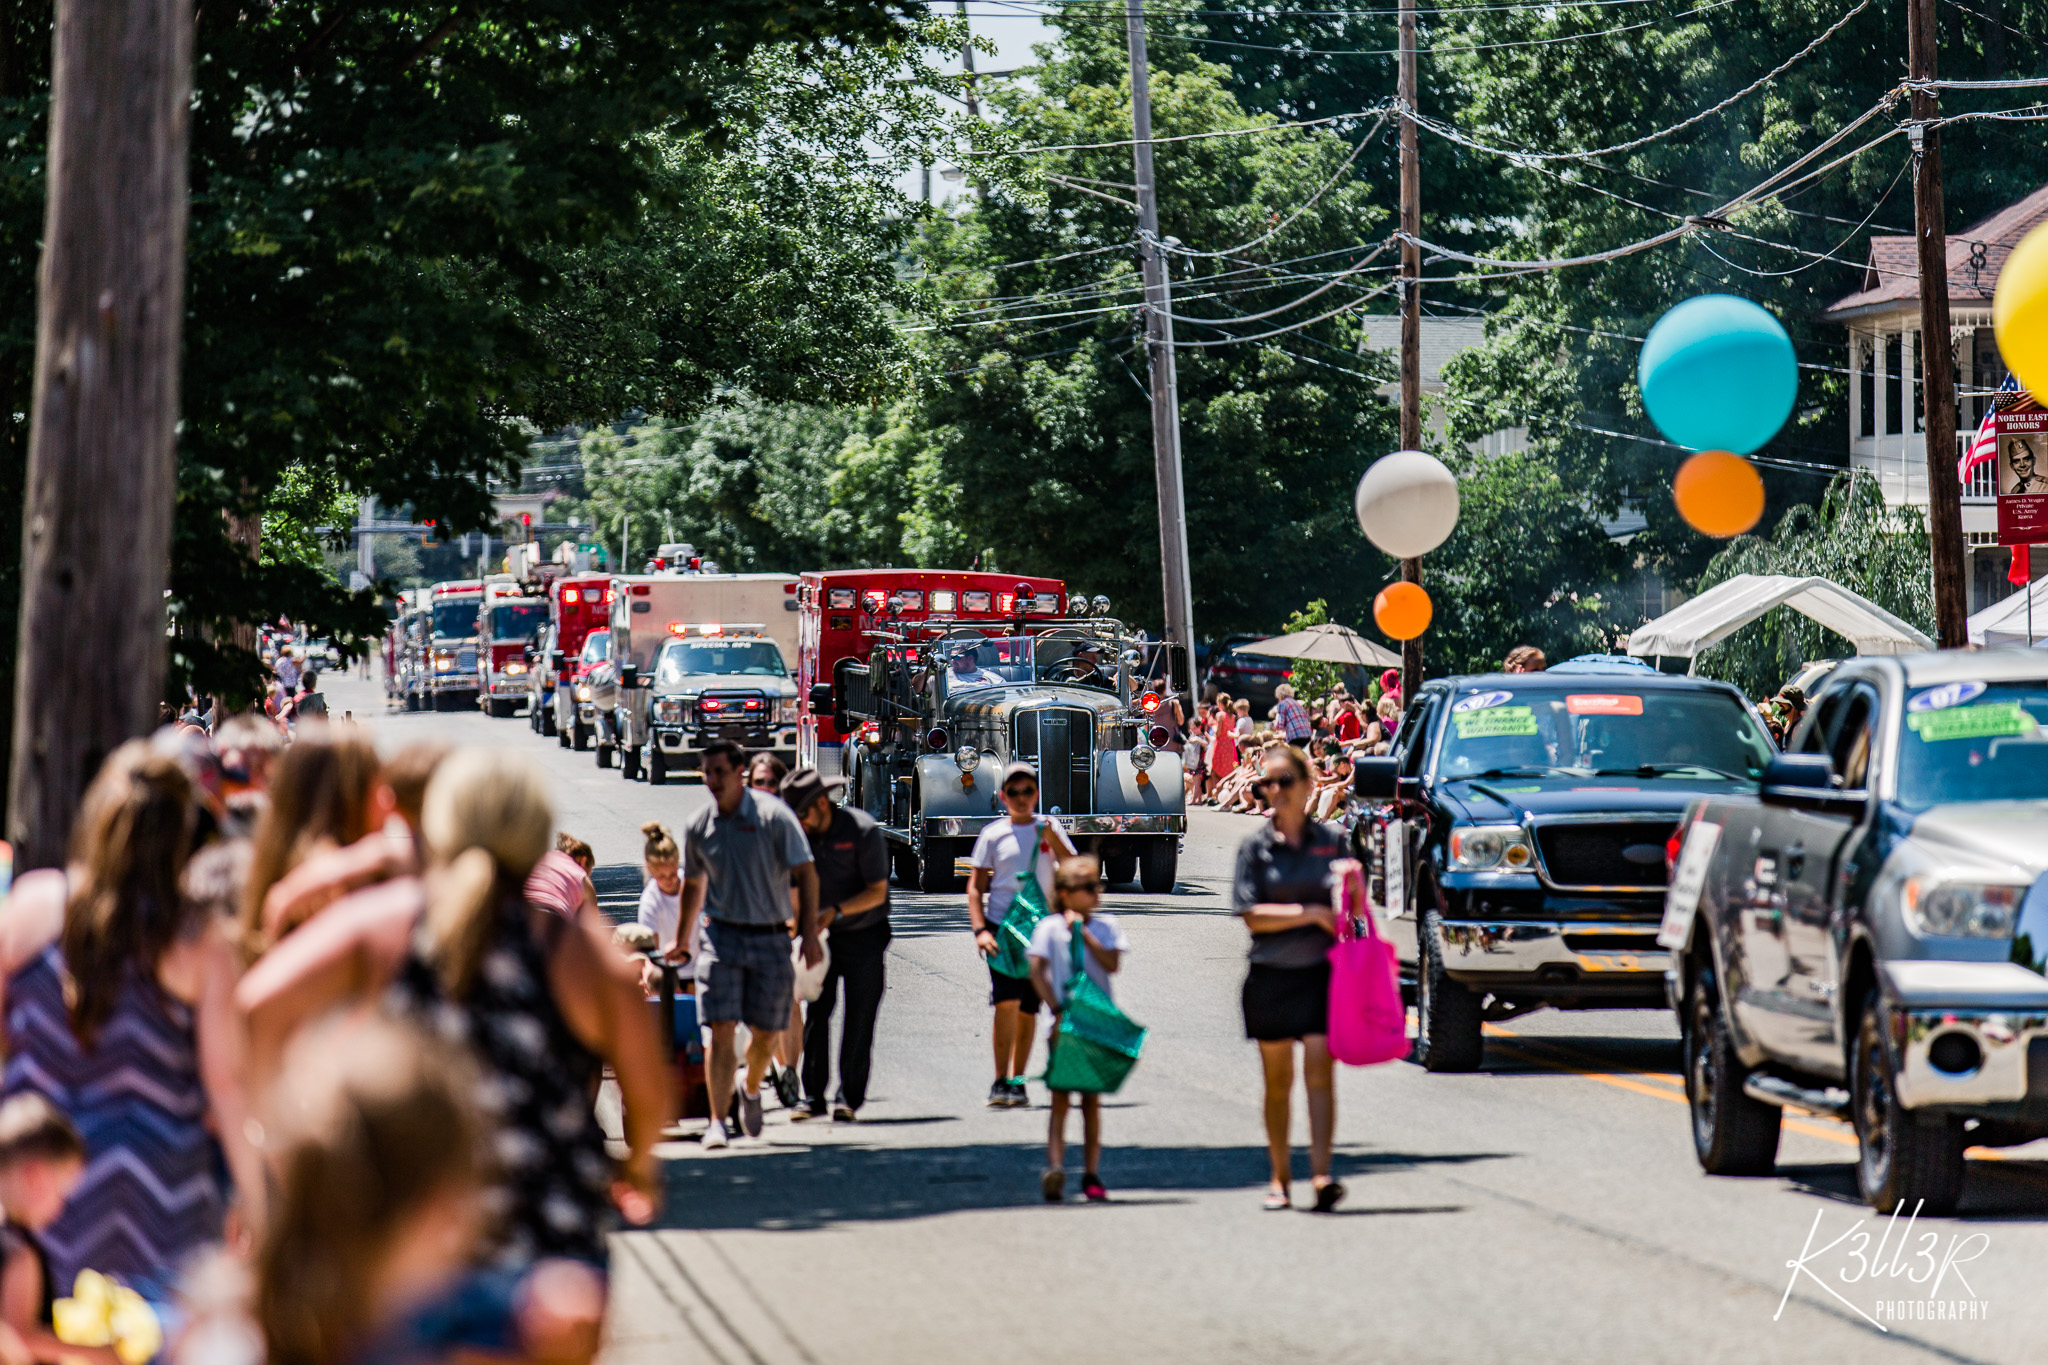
(1149, 703)
(1157, 736)
(570, 597)
(753, 703)
(1671, 847)
(709, 704)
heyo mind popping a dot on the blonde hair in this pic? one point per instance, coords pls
(486, 821)
(1078, 873)
(1283, 691)
(1241, 706)
(369, 1127)
(1389, 708)
(661, 845)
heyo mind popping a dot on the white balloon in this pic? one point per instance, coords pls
(1407, 503)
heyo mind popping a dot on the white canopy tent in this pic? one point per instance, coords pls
(2007, 623)
(1333, 644)
(1688, 630)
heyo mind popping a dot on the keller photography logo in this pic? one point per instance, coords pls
(1894, 1273)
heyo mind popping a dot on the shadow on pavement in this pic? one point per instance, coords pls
(1993, 1191)
(813, 1187)
(1522, 1055)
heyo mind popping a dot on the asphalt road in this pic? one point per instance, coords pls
(1546, 1208)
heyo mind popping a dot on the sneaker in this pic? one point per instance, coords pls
(814, 1110)
(999, 1095)
(1054, 1185)
(786, 1088)
(1020, 1098)
(1091, 1189)
(750, 1115)
(714, 1136)
(843, 1113)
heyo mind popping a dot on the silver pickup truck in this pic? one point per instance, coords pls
(1867, 935)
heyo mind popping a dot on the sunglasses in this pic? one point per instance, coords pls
(1281, 783)
(1018, 793)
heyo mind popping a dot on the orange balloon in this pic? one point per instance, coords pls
(1403, 610)
(1719, 494)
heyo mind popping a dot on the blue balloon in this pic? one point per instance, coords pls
(1718, 373)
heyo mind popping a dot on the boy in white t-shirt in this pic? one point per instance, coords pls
(1004, 849)
(1077, 888)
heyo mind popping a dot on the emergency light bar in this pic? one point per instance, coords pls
(714, 630)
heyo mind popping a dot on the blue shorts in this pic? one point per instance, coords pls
(750, 978)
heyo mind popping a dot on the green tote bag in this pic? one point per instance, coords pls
(1096, 1044)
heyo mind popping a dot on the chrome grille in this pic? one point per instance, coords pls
(1059, 742)
(1605, 852)
(465, 660)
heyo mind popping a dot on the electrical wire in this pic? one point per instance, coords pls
(1308, 204)
(1379, 109)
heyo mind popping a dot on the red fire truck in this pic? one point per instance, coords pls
(837, 607)
(576, 607)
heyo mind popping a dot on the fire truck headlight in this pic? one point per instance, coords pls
(583, 692)
(966, 757)
(1143, 757)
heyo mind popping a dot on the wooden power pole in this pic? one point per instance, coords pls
(1173, 517)
(1937, 360)
(102, 469)
(1411, 310)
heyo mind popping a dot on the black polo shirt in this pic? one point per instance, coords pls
(1270, 871)
(852, 855)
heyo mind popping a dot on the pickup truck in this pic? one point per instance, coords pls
(1520, 835)
(1864, 933)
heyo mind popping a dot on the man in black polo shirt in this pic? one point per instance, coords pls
(852, 858)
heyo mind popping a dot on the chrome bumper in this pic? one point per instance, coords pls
(960, 826)
(2002, 1039)
(519, 688)
(1568, 951)
(679, 741)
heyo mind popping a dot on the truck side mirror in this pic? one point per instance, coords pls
(821, 697)
(629, 676)
(1799, 770)
(561, 661)
(1374, 779)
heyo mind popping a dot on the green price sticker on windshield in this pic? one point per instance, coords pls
(1998, 720)
(1494, 722)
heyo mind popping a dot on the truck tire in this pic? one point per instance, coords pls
(604, 755)
(935, 869)
(579, 737)
(1120, 869)
(657, 768)
(1159, 866)
(1904, 1159)
(500, 710)
(629, 764)
(1447, 1018)
(1732, 1134)
(905, 860)
(412, 701)
(546, 724)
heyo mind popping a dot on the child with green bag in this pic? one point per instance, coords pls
(1075, 939)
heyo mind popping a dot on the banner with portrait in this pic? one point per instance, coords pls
(2023, 475)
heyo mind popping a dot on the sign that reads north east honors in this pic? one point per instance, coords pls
(2023, 476)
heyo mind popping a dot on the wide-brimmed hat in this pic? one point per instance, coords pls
(806, 785)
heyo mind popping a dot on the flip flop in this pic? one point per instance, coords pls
(1329, 1195)
(1276, 1200)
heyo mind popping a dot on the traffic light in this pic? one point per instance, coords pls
(432, 536)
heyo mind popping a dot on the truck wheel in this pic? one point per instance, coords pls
(657, 769)
(1732, 1134)
(546, 724)
(580, 737)
(1159, 866)
(1447, 1036)
(500, 710)
(1904, 1159)
(629, 764)
(412, 701)
(935, 869)
(604, 755)
(906, 864)
(1120, 869)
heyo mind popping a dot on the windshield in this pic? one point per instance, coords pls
(984, 663)
(1973, 742)
(1658, 733)
(455, 619)
(518, 620)
(745, 658)
(597, 647)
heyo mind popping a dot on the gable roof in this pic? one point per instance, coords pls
(1893, 275)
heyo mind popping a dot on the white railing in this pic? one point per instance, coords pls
(1982, 484)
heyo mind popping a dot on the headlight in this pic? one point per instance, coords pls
(669, 710)
(515, 668)
(583, 691)
(785, 711)
(1961, 909)
(1479, 847)
(1143, 757)
(965, 758)
(442, 663)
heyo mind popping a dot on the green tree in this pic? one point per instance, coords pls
(1311, 678)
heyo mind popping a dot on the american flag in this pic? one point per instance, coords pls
(1984, 446)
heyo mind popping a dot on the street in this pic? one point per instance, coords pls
(1546, 1208)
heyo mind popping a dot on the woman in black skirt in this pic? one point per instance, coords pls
(1283, 893)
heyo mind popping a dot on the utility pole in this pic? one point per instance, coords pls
(1173, 516)
(102, 463)
(1411, 310)
(1937, 361)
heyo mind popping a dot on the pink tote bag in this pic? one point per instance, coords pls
(1368, 1022)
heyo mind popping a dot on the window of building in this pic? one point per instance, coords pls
(1919, 393)
(1894, 371)
(1866, 366)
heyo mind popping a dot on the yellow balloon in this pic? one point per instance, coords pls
(1719, 494)
(2019, 310)
(1403, 610)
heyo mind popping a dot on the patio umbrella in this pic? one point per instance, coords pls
(1330, 644)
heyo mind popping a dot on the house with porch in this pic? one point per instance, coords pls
(1887, 404)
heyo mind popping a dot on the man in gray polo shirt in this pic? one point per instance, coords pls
(740, 856)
